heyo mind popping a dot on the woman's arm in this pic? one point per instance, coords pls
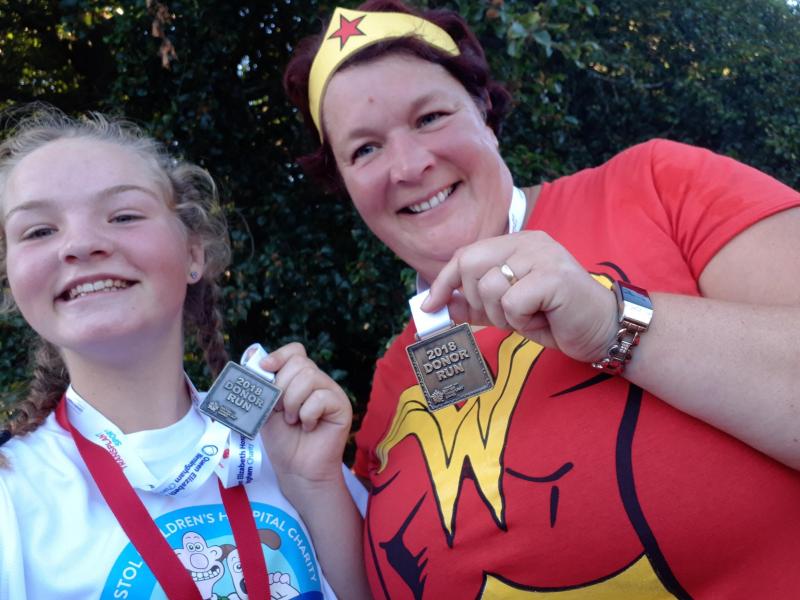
(730, 358)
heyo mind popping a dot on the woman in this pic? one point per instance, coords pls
(597, 466)
(114, 484)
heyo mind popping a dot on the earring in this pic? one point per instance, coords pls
(194, 275)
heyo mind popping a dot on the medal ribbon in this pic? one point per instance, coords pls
(428, 323)
(237, 458)
(145, 536)
(516, 211)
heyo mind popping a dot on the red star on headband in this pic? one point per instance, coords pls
(347, 29)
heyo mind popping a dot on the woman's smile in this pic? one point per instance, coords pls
(433, 201)
(419, 162)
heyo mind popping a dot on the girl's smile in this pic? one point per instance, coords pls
(94, 250)
(81, 290)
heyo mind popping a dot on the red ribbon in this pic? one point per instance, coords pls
(145, 536)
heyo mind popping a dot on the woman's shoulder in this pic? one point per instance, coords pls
(645, 153)
(651, 164)
(659, 148)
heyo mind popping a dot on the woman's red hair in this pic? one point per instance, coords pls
(469, 68)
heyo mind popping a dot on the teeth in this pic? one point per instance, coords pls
(102, 285)
(432, 202)
(203, 575)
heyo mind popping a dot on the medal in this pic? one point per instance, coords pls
(446, 359)
(242, 397)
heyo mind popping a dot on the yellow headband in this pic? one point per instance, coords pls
(350, 31)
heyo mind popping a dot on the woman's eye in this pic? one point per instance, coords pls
(429, 118)
(363, 151)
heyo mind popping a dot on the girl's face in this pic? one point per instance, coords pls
(417, 158)
(97, 261)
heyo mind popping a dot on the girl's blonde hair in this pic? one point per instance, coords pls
(192, 194)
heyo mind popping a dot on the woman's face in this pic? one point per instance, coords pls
(417, 158)
(94, 253)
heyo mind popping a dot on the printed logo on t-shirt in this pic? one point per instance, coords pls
(204, 544)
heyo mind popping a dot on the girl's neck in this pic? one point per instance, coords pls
(145, 393)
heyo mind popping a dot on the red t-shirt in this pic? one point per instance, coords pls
(567, 482)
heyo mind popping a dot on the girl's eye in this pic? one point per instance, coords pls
(39, 232)
(125, 218)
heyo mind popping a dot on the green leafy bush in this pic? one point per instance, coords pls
(589, 80)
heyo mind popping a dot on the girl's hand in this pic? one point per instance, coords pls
(306, 433)
(553, 301)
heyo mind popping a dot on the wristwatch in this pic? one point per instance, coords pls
(635, 311)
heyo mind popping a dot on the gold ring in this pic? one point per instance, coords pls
(508, 274)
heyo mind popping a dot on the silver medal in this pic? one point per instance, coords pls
(240, 399)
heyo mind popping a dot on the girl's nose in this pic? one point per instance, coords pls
(410, 159)
(84, 243)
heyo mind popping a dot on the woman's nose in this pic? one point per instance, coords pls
(409, 158)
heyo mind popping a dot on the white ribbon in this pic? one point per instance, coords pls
(252, 356)
(427, 323)
(235, 458)
(234, 472)
(516, 210)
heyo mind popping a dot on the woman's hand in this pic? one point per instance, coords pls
(307, 431)
(553, 301)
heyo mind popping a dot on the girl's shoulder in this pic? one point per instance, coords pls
(33, 458)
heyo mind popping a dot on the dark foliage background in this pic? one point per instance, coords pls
(589, 79)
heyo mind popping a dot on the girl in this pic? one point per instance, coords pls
(114, 484)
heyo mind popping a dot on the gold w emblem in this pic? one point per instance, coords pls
(477, 431)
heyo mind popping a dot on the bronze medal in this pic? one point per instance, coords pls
(240, 399)
(449, 366)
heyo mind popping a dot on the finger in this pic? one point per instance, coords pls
(325, 405)
(278, 358)
(290, 368)
(304, 382)
(525, 307)
(491, 288)
(447, 281)
(523, 301)
(468, 266)
(528, 324)
(472, 271)
(459, 309)
(298, 379)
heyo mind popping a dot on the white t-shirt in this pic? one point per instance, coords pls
(60, 540)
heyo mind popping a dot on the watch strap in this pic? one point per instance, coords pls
(638, 303)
